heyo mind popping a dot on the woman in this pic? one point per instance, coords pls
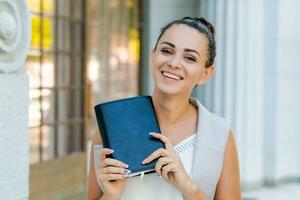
(200, 159)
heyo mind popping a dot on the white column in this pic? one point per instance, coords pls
(256, 84)
(270, 90)
(250, 111)
(14, 90)
(288, 95)
(237, 88)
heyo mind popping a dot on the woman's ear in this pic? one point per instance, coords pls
(152, 55)
(208, 72)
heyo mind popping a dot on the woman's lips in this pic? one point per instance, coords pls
(172, 76)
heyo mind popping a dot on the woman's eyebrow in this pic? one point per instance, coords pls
(168, 43)
(186, 50)
(191, 50)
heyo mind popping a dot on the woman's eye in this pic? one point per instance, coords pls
(190, 58)
(166, 51)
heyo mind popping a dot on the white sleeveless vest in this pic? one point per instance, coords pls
(208, 153)
(212, 134)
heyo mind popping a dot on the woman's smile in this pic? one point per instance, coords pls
(169, 76)
(176, 63)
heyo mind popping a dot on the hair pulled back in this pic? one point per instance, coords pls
(203, 26)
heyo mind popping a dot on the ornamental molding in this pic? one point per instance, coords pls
(15, 33)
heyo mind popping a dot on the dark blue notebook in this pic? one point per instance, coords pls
(125, 126)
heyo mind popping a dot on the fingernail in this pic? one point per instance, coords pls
(127, 171)
(111, 150)
(126, 175)
(151, 133)
(125, 165)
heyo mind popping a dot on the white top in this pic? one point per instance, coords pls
(211, 140)
(207, 147)
(147, 188)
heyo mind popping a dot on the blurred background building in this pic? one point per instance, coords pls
(85, 52)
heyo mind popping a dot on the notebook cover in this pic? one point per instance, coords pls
(125, 126)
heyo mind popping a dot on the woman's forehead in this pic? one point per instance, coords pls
(184, 36)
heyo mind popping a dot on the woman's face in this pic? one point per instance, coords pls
(178, 63)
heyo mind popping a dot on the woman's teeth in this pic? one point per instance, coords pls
(171, 76)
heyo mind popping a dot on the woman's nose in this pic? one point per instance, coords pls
(174, 62)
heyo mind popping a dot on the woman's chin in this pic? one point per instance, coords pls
(168, 90)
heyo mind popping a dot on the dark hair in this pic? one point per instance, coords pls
(203, 26)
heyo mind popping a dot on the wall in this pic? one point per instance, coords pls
(255, 85)
(14, 167)
(288, 95)
(14, 90)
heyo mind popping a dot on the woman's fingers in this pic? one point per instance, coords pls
(161, 163)
(156, 154)
(112, 173)
(166, 169)
(164, 139)
(113, 177)
(112, 162)
(109, 161)
(113, 170)
(104, 152)
(160, 152)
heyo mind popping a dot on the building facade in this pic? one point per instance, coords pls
(84, 52)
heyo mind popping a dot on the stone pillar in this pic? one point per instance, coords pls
(14, 101)
(237, 89)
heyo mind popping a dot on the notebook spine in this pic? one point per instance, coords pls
(155, 114)
(101, 125)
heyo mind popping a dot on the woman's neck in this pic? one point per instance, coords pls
(170, 109)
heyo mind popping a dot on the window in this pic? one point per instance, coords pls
(58, 93)
(113, 51)
(57, 75)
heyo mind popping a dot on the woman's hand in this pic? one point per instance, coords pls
(110, 175)
(169, 165)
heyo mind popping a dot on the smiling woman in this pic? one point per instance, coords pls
(182, 58)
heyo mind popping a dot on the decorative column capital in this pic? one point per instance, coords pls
(15, 32)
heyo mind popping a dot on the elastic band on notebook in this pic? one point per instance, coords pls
(142, 176)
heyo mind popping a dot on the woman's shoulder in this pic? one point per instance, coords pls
(97, 138)
(215, 118)
(221, 121)
(217, 127)
(221, 128)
